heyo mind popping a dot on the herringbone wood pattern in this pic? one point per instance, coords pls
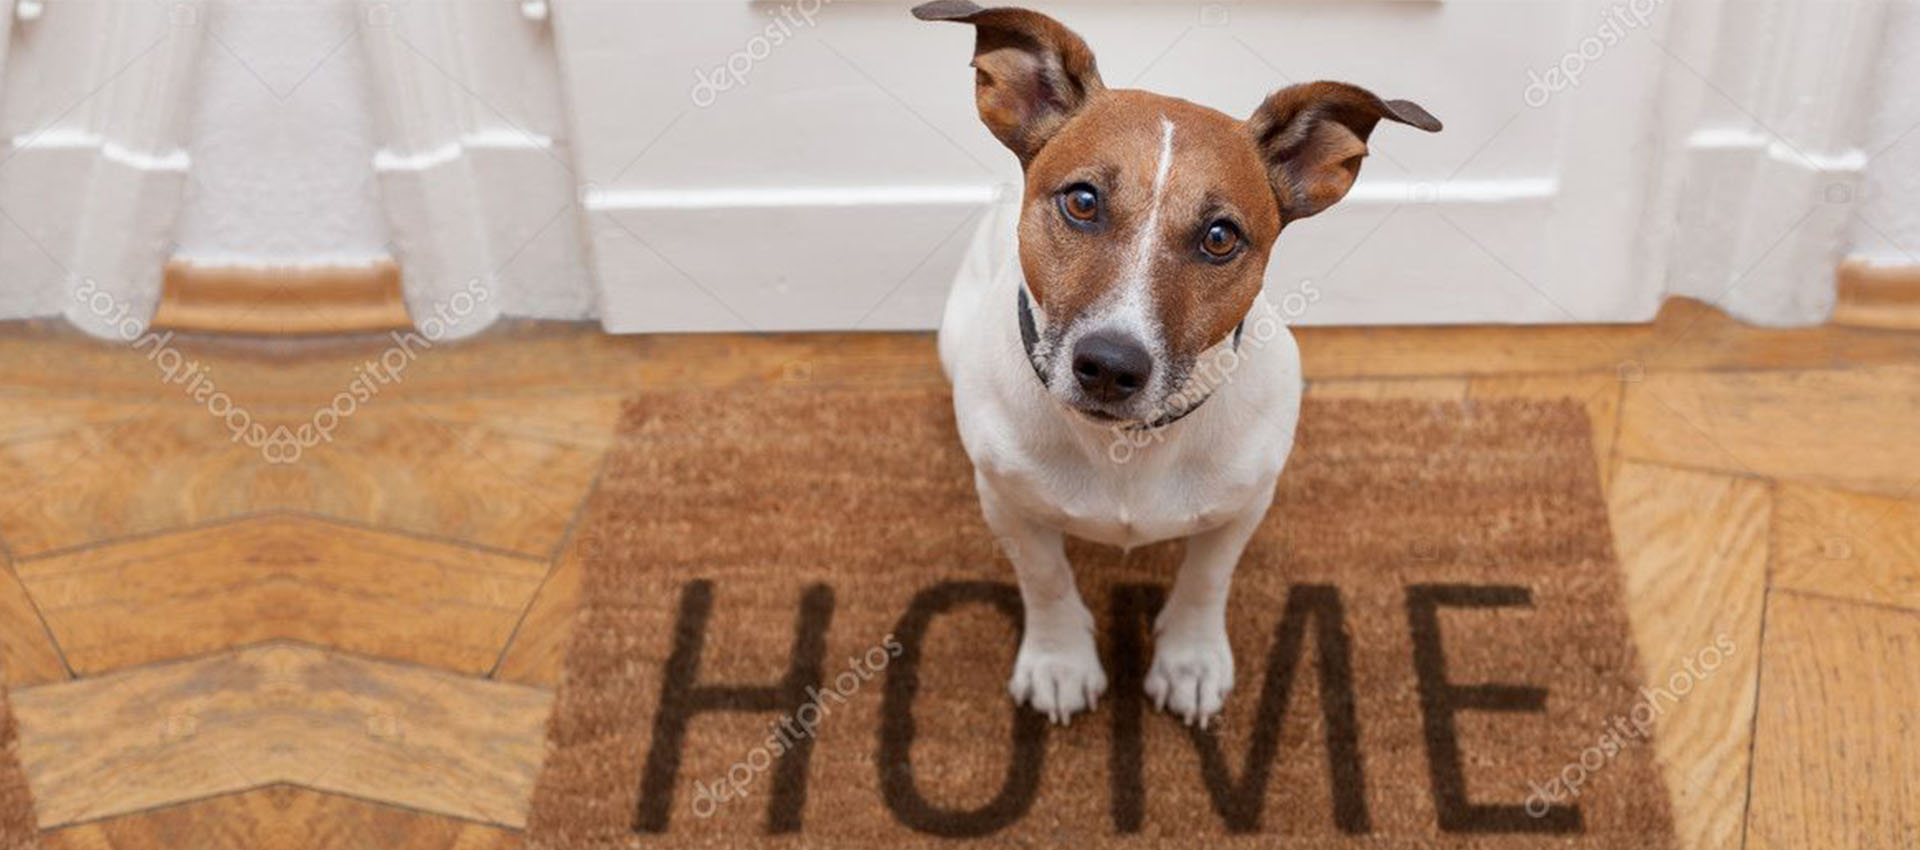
(395, 600)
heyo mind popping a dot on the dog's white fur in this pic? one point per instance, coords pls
(1044, 471)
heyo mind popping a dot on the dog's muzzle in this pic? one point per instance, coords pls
(1111, 368)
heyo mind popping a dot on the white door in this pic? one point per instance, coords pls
(819, 165)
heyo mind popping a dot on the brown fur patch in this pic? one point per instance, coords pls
(1114, 144)
(1031, 72)
(1313, 136)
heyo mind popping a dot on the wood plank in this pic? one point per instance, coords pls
(1599, 392)
(1833, 765)
(50, 357)
(1687, 335)
(1849, 428)
(1425, 389)
(403, 468)
(281, 299)
(282, 577)
(280, 817)
(1851, 545)
(543, 358)
(528, 357)
(1693, 547)
(25, 416)
(538, 652)
(166, 466)
(17, 824)
(28, 654)
(1877, 296)
(585, 421)
(284, 713)
(489, 481)
(516, 357)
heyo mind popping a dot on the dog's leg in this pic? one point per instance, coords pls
(1058, 670)
(1192, 663)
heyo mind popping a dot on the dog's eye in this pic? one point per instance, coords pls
(1220, 240)
(1080, 204)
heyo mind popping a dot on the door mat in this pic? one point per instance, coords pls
(18, 827)
(795, 632)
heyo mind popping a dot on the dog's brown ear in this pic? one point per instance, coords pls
(1031, 73)
(1313, 136)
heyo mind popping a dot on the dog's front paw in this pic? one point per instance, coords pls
(1059, 679)
(1192, 671)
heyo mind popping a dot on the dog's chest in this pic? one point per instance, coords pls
(1133, 504)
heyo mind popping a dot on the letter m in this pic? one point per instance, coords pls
(1240, 802)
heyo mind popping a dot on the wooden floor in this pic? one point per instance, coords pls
(357, 649)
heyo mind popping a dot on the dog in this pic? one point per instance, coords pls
(1117, 373)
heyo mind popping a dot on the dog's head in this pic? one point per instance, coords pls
(1147, 220)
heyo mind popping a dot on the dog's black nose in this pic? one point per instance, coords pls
(1111, 367)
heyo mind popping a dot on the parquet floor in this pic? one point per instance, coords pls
(204, 647)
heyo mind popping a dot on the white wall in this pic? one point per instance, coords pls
(92, 175)
(281, 138)
(475, 166)
(1886, 229)
(343, 131)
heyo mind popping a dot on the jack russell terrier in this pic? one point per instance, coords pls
(1117, 374)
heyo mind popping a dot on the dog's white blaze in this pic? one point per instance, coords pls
(1133, 308)
(1142, 263)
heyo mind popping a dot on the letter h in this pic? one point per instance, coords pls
(683, 696)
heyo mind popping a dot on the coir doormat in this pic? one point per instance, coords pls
(796, 632)
(17, 823)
